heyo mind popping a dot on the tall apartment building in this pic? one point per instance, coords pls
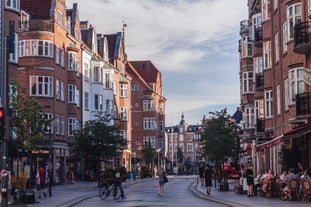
(187, 138)
(274, 73)
(148, 108)
(67, 65)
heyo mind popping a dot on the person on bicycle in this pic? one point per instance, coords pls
(118, 182)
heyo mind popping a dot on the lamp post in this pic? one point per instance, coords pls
(50, 162)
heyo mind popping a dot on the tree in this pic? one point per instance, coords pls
(98, 139)
(180, 156)
(148, 153)
(29, 124)
(219, 138)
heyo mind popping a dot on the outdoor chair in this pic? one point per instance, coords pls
(271, 189)
(293, 186)
(306, 189)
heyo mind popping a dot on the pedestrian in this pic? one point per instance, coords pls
(267, 178)
(41, 174)
(162, 181)
(201, 172)
(208, 179)
(259, 181)
(250, 180)
(118, 182)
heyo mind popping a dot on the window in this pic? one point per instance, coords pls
(286, 94)
(41, 86)
(181, 137)
(108, 80)
(14, 56)
(109, 104)
(59, 17)
(296, 82)
(257, 62)
(57, 89)
(285, 37)
(62, 91)
(277, 48)
(48, 116)
(150, 140)
(123, 114)
(259, 109)
(267, 54)
(189, 138)
(123, 134)
(268, 104)
(293, 18)
(278, 99)
(148, 105)
(161, 126)
(86, 72)
(62, 125)
(98, 102)
(62, 57)
(57, 124)
(13, 4)
(256, 18)
(162, 111)
(35, 48)
(72, 93)
(249, 117)
(248, 82)
(247, 47)
(150, 123)
(86, 100)
(73, 61)
(189, 148)
(57, 55)
(24, 24)
(275, 4)
(73, 125)
(97, 74)
(134, 87)
(265, 10)
(123, 90)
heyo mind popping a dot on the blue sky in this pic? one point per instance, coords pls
(194, 43)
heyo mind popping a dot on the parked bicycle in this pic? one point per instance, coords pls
(107, 189)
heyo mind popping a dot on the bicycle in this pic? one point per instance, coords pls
(106, 190)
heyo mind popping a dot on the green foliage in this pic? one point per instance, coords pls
(219, 138)
(98, 139)
(148, 153)
(28, 121)
(180, 156)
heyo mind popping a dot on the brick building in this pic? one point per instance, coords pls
(274, 73)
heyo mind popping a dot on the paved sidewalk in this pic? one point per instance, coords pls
(233, 199)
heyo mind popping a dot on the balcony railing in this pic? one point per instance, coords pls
(260, 125)
(302, 38)
(258, 37)
(303, 104)
(259, 81)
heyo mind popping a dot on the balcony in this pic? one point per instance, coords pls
(258, 37)
(303, 104)
(260, 125)
(259, 81)
(302, 38)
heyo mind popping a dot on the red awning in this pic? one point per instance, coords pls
(270, 143)
(298, 131)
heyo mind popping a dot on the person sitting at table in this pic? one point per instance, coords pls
(259, 181)
(268, 178)
(286, 191)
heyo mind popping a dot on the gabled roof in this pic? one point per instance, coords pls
(38, 9)
(146, 70)
(114, 43)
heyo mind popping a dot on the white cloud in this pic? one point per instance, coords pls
(182, 38)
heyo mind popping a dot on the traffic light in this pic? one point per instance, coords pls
(2, 122)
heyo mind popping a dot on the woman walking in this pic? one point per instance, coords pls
(250, 180)
(208, 179)
(161, 175)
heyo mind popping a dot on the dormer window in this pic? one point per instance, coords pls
(24, 22)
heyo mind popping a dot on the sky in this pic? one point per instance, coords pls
(193, 43)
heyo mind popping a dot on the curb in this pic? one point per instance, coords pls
(200, 194)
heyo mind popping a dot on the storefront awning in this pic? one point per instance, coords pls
(298, 132)
(270, 143)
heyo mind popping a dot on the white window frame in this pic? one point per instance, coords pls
(41, 86)
(293, 18)
(249, 117)
(73, 61)
(265, 10)
(287, 100)
(59, 17)
(267, 54)
(72, 93)
(148, 105)
(257, 64)
(57, 124)
(151, 140)
(98, 102)
(247, 47)
(256, 21)
(73, 125)
(278, 99)
(149, 123)
(24, 26)
(12, 4)
(62, 57)
(35, 47)
(123, 90)
(248, 82)
(97, 74)
(275, 4)
(296, 83)
(86, 71)
(62, 91)
(259, 109)
(123, 114)
(62, 125)
(134, 87)
(285, 37)
(108, 81)
(57, 89)
(86, 100)
(57, 55)
(276, 48)
(268, 104)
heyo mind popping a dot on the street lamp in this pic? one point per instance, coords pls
(158, 151)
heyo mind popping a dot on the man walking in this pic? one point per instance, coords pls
(41, 176)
